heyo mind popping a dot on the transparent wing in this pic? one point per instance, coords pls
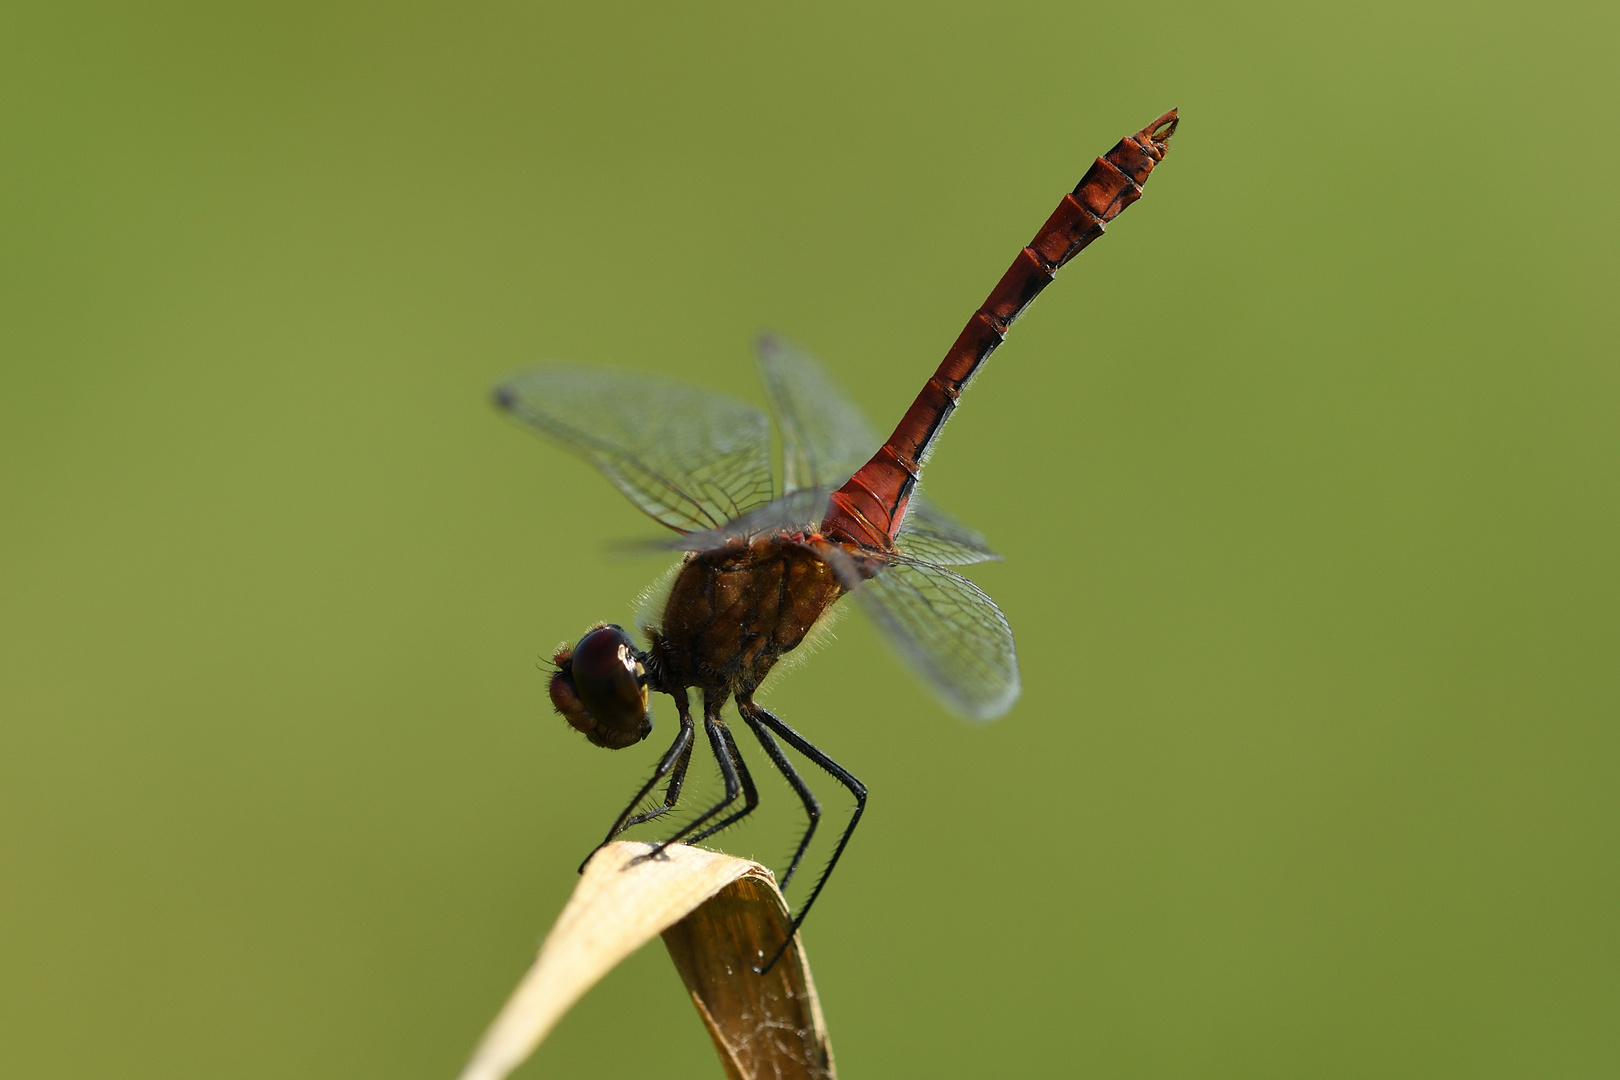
(795, 512)
(690, 458)
(931, 535)
(944, 626)
(825, 437)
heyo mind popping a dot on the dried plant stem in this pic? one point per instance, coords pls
(719, 916)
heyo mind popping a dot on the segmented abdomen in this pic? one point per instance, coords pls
(869, 508)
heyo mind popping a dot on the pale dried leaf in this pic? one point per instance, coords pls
(719, 916)
(762, 1025)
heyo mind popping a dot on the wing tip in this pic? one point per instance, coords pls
(504, 396)
(995, 709)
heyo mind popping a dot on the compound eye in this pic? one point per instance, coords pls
(611, 683)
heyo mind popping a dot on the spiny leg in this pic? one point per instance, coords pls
(677, 757)
(728, 773)
(812, 806)
(672, 794)
(750, 795)
(843, 776)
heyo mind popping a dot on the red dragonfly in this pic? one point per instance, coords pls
(762, 568)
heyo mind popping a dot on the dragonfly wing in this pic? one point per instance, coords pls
(931, 535)
(949, 631)
(825, 437)
(796, 512)
(690, 458)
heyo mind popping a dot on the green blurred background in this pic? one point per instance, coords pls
(1305, 476)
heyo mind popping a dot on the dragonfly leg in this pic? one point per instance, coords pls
(812, 806)
(750, 794)
(728, 773)
(675, 759)
(837, 772)
(672, 794)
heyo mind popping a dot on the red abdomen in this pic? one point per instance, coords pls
(869, 508)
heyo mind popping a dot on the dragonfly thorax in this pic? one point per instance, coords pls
(734, 611)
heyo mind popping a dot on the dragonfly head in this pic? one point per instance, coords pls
(600, 687)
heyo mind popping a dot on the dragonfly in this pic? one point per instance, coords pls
(763, 565)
